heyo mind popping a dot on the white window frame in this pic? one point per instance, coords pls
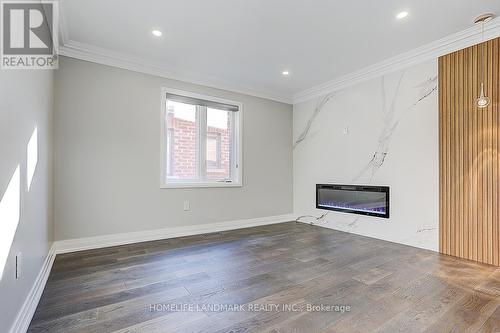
(237, 153)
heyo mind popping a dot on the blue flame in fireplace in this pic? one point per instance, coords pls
(356, 199)
(356, 207)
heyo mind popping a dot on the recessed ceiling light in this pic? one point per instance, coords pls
(402, 15)
(156, 33)
(285, 73)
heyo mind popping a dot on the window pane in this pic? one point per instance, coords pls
(213, 150)
(219, 144)
(181, 141)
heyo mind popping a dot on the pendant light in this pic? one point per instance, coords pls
(483, 100)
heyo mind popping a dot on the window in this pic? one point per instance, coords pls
(201, 141)
(214, 151)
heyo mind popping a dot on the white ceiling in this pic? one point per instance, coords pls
(248, 43)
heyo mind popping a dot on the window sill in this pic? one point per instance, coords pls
(199, 185)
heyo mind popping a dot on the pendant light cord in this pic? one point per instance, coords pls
(482, 55)
(483, 101)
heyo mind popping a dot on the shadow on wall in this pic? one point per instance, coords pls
(10, 204)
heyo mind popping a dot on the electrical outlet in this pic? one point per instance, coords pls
(187, 206)
(346, 130)
(19, 260)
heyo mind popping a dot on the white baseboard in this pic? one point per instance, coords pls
(24, 317)
(27, 311)
(88, 243)
(425, 241)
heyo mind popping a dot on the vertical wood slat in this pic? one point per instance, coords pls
(469, 169)
(495, 97)
(468, 153)
(448, 156)
(459, 244)
(465, 172)
(441, 135)
(489, 156)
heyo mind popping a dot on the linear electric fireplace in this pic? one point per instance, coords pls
(355, 199)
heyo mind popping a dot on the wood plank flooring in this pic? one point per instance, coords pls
(277, 278)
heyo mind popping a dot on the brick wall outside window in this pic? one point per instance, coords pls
(183, 149)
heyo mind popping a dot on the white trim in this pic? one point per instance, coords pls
(201, 144)
(80, 244)
(108, 57)
(199, 185)
(27, 311)
(163, 136)
(63, 26)
(452, 43)
(404, 241)
(29, 306)
(238, 172)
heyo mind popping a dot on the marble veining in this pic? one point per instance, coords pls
(391, 122)
(319, 106)
(425, 230)
(393, 113)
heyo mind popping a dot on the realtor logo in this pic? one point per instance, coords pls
(29, 37)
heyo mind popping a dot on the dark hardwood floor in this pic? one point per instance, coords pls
(276, 273)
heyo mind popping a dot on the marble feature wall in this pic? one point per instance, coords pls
(381, 132)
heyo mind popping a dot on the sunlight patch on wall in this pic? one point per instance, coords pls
(10, 206)
(32, 157)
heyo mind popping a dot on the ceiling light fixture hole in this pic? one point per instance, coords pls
(157, 33)
(402, 15)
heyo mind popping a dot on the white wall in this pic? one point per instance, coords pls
(107, 134)
(26, 102)
(409, 136)
(107, 130)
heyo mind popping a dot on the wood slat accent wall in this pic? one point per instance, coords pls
(469, 139)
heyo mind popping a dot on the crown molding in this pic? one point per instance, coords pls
(103, 56)
(452, 43)
(63, 25)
